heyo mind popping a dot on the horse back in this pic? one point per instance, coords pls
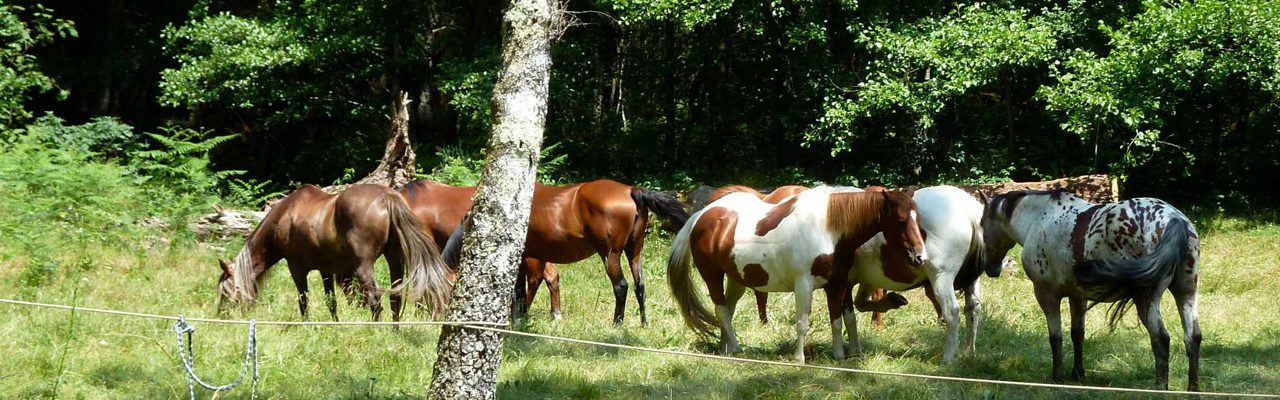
(437, 207)
(1124, 230)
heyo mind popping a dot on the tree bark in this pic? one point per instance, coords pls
(396, 168)
(467, 360)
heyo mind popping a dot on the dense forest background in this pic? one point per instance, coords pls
(1178, 98)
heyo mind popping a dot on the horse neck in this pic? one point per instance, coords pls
(1035, 211)
(854, 215)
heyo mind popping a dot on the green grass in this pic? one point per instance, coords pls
(117, 357)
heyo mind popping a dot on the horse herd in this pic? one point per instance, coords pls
(795, 239)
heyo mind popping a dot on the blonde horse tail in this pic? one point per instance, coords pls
(680, 276)
(426, 274)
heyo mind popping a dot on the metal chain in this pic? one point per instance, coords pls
(188, 357)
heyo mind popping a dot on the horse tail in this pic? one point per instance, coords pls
(1135, 277)
(680, 276)
(976, 259)
(665, 205)
(426, 278)
(452, 253)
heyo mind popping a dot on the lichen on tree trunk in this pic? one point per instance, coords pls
(467, 360)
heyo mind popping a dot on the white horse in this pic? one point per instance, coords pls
(1128, 251)
(950, 220)
(804, 243)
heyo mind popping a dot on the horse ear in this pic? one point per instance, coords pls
(910, 191)
(226, 266)
(982, 196)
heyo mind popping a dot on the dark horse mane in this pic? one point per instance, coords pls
(1005, 203)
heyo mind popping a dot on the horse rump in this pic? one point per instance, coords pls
(664, 205)
(1121, 280)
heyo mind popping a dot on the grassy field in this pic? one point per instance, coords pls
(51, 353)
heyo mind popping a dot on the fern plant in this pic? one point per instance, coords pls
(181, 161)
(250, 193)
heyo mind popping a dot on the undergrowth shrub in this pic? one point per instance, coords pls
(455, 166)
(94, 185)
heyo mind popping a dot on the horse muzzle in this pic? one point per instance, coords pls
(916, 259)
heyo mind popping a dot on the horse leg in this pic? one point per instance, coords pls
(972, 306)
(634, 250)
(878, 317)
(732, 293)
(836, 290)
(396, 272)
(330, 295)
(533, 279)
(1078, 309)
(804, 302)
(853, 347)
(762, 307)
(519, 307)
(1051, 304)
(1148, 305)
(300, 281)
(613, 267)
(369, 287)
(942, 285)
(933, 298)
(1185, 296)
(889, 302)
(552, 277)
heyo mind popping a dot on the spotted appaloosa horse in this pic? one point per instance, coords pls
(567, 224)
(339, 235)
(1130, 251)
(804, 243)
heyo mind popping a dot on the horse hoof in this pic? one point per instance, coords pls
(897, 299)
(555, 316)
(1077, 375)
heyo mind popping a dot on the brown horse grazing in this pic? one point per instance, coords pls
(804, 243)
(340, 235)
(567, 224)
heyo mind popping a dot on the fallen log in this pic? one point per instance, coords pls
(1098, 188)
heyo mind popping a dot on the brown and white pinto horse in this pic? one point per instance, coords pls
(567, 224)
(339, 235)
(804, 243)
(777, 196)
(1130, 251)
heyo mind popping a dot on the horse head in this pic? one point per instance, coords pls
(900, 223)
(997, 236)
(236, 286)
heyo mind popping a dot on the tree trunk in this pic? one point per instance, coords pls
(467, 360)
(397, 167)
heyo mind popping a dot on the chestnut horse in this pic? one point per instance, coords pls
(340, 235)
(777, 196)
(1124, 252)
(567, 224)
(804, 243)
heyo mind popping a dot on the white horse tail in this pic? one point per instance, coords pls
(680, 276)
(976, 259)
(1139, 276)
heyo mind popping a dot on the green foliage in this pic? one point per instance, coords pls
(181, 160)
(454, 166)
(22, 29)
(104, 136)
(1163, 74)
(250, 193)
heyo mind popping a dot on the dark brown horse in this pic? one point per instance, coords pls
(567, 224)
(340, 235)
